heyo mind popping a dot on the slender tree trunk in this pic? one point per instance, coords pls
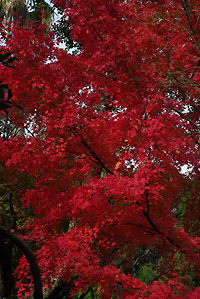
(14, 9)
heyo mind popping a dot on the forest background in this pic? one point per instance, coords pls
(94, 139)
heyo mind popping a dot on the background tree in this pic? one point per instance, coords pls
(12, 7)
(37, 10)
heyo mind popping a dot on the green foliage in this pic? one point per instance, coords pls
(90, 293)
(144, 273)
(103, 174)
(177, 266)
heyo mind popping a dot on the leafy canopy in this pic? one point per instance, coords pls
(107, 132)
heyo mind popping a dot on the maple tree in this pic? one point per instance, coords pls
(107, 133)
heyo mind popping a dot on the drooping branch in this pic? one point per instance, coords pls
(145, 213)
(37, 281)
(188, 15)
(156, 229)
(92, 153)
(95, 156)
(186, 118)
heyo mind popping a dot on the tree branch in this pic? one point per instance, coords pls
(187, 11)
(99, 162)
(12, 213)
(186, 118)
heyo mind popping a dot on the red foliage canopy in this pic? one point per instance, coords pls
(107, 134)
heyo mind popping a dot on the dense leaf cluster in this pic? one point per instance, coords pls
(107, 133)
